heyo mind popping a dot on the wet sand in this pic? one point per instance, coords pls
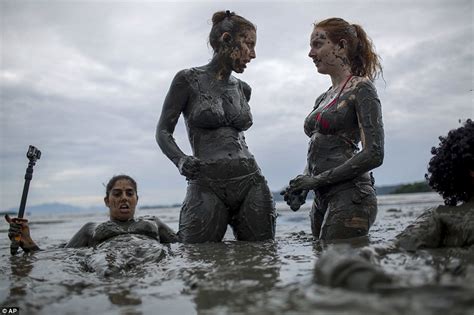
(229, 277)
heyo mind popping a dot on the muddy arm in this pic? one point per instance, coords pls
(83, 238)
(167, 235)
(369, 115)
(19, 233)
(295, 198)
(173, 106)
(425, 232)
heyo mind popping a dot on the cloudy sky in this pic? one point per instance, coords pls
(84, 81)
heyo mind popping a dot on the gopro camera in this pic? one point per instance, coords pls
(33, 154)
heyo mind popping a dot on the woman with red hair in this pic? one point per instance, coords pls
(347, 114)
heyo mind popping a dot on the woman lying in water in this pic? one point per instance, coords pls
(451, 174)
(121, 198)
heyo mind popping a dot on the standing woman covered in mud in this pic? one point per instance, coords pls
(347, 114)
(225, 184)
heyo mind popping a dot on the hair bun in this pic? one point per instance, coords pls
(218, 17)
(221, 15)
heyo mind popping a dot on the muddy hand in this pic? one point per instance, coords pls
(298, 198)
(189, 167)
(19, 234)
(14, 234)
(302, 182)
(285, 193)
(294, 199)
(17, 227)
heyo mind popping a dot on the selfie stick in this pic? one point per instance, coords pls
(33, 154)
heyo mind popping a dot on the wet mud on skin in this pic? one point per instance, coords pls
(231, 277)
(337, 170)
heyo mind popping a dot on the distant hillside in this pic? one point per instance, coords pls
(386, 190)
(54, 207)
(415, 187)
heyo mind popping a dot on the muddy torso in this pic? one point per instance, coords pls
(216, 115)
(334, 132)
(214, 104)
(109, 229)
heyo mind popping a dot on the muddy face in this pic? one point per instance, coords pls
(122, 201)
(243, 50)
(326, 55)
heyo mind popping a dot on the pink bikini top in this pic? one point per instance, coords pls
(319, 115)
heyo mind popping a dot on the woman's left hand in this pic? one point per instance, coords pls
(302, 182)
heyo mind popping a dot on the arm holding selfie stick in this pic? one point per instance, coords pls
(19, 231)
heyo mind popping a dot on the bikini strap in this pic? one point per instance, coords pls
(336, 99)
(343, 87)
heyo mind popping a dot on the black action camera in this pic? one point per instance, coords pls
(33, 154)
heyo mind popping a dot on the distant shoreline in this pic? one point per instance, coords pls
(416, 187)
(408, 188)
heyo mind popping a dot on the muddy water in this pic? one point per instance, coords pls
(230, 277)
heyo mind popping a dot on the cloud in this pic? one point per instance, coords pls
(85, 82)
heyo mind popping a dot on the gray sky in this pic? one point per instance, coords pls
(84, 81)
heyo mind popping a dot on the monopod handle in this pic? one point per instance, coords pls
(33, 154)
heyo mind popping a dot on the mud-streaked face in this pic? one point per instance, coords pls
(326, 55)
(243, 50)
(122, 200)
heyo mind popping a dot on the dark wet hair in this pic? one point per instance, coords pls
(115, 179)
(449, 168)
(361, 51)
(226, 21)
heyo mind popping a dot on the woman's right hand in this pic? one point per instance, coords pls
(294, 198)
(189, 166)
(18, 228)
(19, 232)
